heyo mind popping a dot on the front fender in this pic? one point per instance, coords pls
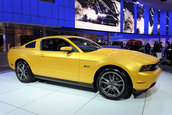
(129, 66)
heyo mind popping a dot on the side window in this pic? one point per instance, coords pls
(53, 44)
(31, 45)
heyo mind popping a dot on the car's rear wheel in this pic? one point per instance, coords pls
(113, 84)
(23, 72)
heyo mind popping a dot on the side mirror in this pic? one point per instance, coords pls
(66, 49)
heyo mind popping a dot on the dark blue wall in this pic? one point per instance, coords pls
(131, 36)
(155, 21)
(163, 22)
(62, 13)
(122, 15)
(170, 24)
(146, 21)
(135, 18)
(59, 13)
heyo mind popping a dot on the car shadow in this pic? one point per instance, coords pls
(148, 93)
(152, 91)
(90, 89)
(141, 95)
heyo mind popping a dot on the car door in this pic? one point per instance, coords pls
(55, 63)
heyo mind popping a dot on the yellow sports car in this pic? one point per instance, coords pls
(114, 72)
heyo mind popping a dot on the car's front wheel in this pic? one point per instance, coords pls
(112, 84)
(23, 72)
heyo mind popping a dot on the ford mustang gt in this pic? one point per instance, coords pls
(115, 73)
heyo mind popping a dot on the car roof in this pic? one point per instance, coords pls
(53, 37)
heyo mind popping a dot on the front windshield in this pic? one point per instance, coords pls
(85, 45)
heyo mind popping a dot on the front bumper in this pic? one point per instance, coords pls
(144, 80)
(137, 93)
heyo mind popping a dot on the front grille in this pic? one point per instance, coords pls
(153, 67)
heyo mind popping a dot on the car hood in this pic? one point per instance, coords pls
(128, 54)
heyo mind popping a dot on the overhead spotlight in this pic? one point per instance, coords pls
(163, 0)
(137, 2)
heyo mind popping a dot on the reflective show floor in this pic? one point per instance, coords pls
(40, 98)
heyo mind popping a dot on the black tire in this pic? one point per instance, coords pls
(128, 94)
(113, 84)
(23, 72)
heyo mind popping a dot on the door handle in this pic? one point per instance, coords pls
(42, 55)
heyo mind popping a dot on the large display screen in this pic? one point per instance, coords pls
(151, 16)
(128, 22)
(140, 19)
(98, 15)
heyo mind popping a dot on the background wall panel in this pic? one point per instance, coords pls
(55, 12)
(38, 12)
(163, 22)
(17, 18)
(34, 7)
(17, 6)
(62, 13)
(42, 20)
(135, 18)
(42, 8)
(122, 15)
(34, 20)
(8, 17)
(1, 5)
(1, 16)
(26, 7)
(8, 5)
(170, 24)
(26, 19)
(155, 25)
(146, 19)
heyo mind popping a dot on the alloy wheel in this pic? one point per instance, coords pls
(22, 71)
(112, 84)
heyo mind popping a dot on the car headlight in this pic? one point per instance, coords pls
(151, 67)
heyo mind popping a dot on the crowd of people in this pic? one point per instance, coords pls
(168, 51)
(137, 45)
(156, 49)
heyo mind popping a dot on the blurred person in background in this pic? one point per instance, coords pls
(147, 48)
